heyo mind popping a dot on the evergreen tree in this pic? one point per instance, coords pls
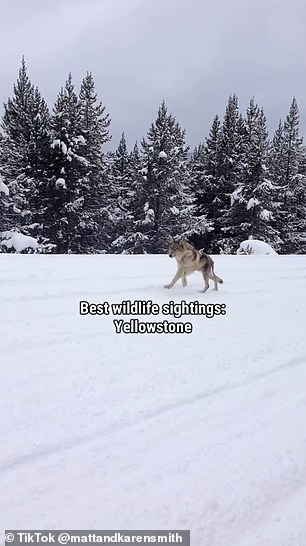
(38, 165)
(291, 145)
(131, 238)
(205, 174)
(68, 170)
(230, 157)
(230, 146)
(168, 207)
(94, 124)
(293, 185)
(288, 174)
(16, 125)
(120, 163)
(24, 153)
(276, 157)
(197, 174)
(94, 121)
(120, 180)
(253, 200)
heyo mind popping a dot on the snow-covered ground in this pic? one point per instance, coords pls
(203, 431)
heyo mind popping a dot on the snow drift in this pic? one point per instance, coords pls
(254, 246)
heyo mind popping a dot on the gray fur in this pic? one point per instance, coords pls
(190, 260)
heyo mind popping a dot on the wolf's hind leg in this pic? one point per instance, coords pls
(205, 277)
(213, 278)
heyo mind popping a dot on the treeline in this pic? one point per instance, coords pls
(59, 185)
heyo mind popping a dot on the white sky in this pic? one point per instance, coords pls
(191, 53)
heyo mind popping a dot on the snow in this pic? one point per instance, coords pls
(61, 184)
(18, 241)
(76, 204)
(236, 196)
(149, 214)
(266, 215)
(162, 155)
(56, 143)
(80, 140)
(123, 431)
(254, 246)
(3, 188)
(252, 203)
(25, 213)
(81, 159)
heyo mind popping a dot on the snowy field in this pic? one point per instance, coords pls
(203, 431)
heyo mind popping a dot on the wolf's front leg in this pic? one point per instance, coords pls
(176, 277)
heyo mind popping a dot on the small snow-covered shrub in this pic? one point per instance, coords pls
(14, 241)
(254, 246)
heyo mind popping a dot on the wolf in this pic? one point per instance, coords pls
(189, 259)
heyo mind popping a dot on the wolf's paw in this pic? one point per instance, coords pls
(167, 285)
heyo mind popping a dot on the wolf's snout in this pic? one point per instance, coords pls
(170, 255)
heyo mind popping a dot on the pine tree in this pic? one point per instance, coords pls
(94, 124)
(230, 145)
(14, 153)
(197, 172)
(120, 163)
(24, 155)
(293, 185)
(68, 170)
(38, 165)
(131, 238)
(289, 175)
(276, 158)
(39, 137)
(120, 180)
(230, 159)
(205, 174)
(168, 208)
(94, 121)
(78, 187)
(291, 145)
(253, 200)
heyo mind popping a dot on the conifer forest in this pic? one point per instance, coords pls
(60, 186)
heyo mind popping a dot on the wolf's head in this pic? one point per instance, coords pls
(178, 247)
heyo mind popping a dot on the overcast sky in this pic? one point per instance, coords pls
(191, 53)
